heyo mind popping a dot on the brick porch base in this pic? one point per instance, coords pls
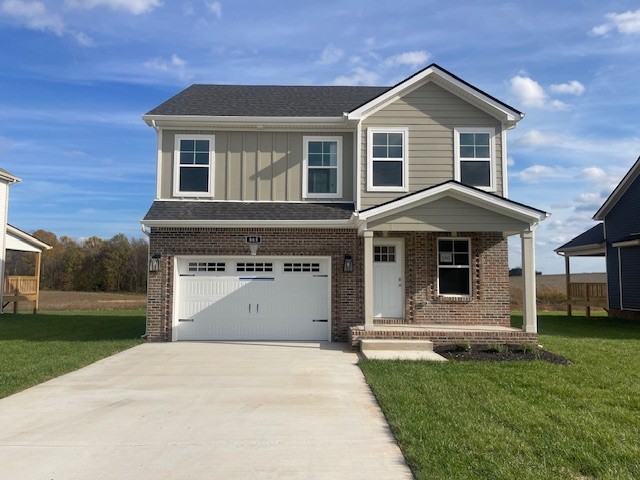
(443, 334)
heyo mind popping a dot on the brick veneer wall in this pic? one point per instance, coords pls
(346, 288)
(488, 305)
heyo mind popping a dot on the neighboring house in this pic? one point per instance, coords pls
(16, 288)
(335, 213)
(617, 238)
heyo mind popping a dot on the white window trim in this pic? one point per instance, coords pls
(176, 165)
(405, 159)
(454, 295)
(492, 154)
(305, 167)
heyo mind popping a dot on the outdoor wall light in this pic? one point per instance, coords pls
(347, 266)
(154, 263)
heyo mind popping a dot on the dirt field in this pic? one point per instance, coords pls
(551, 289)
(551, 296)
(52, 300)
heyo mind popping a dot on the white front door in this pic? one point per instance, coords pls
(388, 277)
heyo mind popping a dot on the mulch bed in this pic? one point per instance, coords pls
(495, 353)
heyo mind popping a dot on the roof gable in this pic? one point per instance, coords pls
(448, 81)
(631, 176)
(460, 192)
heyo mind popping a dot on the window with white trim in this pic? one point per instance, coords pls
(322, 167)
(387, 159)
(475, 157)
(454, 267)
(193, 165)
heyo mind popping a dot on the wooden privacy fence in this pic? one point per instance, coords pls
(20, 288)
(586, 294)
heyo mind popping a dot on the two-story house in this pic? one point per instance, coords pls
(336, 213)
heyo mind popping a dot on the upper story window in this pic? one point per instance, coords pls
(322, 167)
(454, 267)
(387, 159)
(193, 165)
(475, 157)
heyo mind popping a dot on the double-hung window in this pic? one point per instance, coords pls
(475, 157)
(193, 165)
(387, 159)
(322, 167)
(454, 267)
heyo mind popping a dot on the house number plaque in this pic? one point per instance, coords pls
(254, 240)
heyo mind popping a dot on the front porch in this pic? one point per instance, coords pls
(454, 282)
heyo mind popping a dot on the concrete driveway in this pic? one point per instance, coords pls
(203, 411)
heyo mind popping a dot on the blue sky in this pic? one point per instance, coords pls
(76, 76)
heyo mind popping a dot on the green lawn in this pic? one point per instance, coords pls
(36, 348)
(529, 420)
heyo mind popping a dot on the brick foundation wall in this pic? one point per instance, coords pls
(440, 338)
(624, 314)
(488, 304)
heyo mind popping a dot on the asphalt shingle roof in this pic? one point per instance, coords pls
(593, 236)
(195, 210)
(267, 100)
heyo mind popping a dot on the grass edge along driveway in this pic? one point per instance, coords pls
(522, 420)
(37, 348)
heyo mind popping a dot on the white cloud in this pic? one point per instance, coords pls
(135, 7)
(536, 138)
(531, 94)
(84, 39)
(330, 54)
(573, 87)
(510, 161)
(627, 23)
(539, 173)
(413, 59)
(360, 76)
(370, 41)
(594, 174)
(174, 66)
(215, 8)
(34, 15)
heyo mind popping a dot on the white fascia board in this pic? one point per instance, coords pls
(628, 243)
(622, 187)
(28, 239)
(461, 193)
(7, 177)
(251, 223)
(593, 250)
(180, 120)
(511, 117)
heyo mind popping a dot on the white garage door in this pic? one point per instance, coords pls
(252, 298)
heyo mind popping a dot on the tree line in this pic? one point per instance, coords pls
(94, 264)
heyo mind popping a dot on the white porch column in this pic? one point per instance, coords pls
(529, 311)
(368, 280)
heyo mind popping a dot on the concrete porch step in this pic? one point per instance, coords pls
(390, 349)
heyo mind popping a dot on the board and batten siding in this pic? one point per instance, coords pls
(264, 166)
(431, 113)
(623, 220)
(447, 215)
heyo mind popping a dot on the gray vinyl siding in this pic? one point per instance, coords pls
(622, 221)
(448, 215)
(263, 166)
(430, 113)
